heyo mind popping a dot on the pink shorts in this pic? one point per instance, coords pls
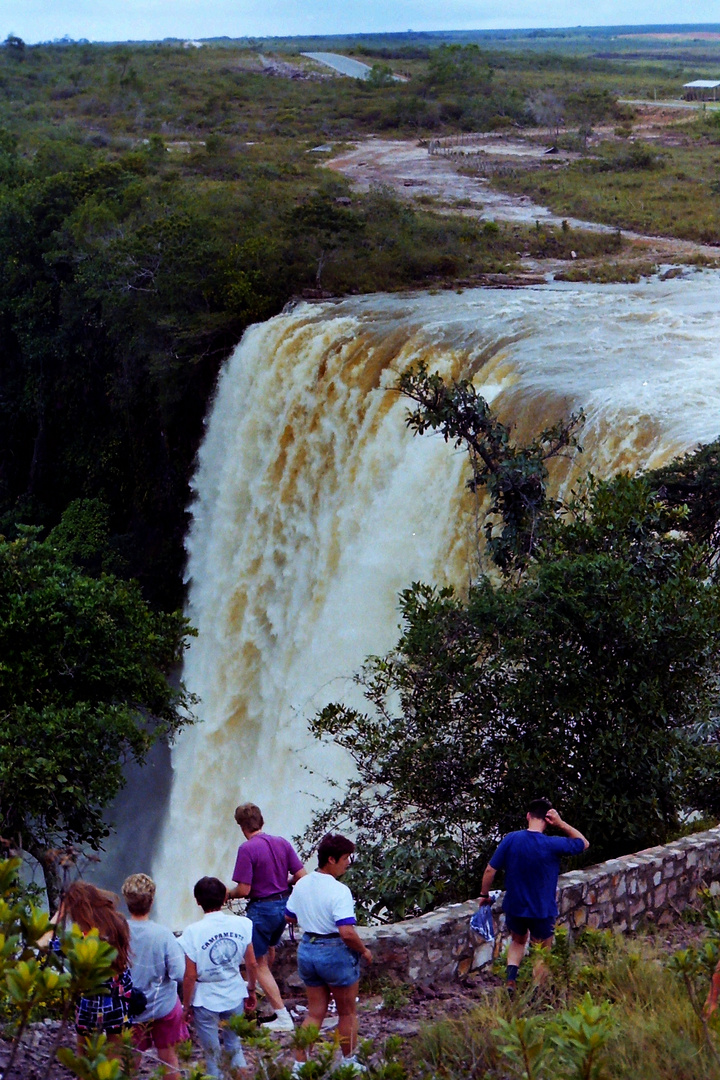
(162, 1033)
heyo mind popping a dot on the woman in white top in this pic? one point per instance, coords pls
(330, 950)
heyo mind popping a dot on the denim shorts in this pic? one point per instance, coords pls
(268, 920)
(540, 929)
(327, 962)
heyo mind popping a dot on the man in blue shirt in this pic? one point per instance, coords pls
(531, 862)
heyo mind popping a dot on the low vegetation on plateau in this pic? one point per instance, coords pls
(667, 187)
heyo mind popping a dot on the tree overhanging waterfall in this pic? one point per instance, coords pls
(314, 506)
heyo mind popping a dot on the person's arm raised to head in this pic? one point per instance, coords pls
(553, 818)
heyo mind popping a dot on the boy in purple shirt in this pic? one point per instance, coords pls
(531, 862)
(265, 869)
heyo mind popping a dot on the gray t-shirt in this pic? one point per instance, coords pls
(157, 963)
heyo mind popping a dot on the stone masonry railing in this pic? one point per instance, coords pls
(648, 886)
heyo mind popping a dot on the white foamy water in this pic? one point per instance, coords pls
(314, 507)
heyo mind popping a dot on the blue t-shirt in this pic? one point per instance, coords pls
(531, 861)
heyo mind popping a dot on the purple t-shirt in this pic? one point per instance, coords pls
(264, 862)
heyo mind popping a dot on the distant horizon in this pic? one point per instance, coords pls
(519, 31)
(145, 21)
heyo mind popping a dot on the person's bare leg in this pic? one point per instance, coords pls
(267, 981)
(346, 1001)
(516, 949)
(318, 999)
(168, 1056)
(115, 1046)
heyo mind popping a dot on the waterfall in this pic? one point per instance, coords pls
(314, 506)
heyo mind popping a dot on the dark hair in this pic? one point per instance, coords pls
(93, 908)
(333, 846)
(248, 816)
(210, 893)
(538, 808)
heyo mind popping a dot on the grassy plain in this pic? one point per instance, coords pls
(667, 184)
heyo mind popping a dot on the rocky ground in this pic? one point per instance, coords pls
(447, 184)
(396, 1011)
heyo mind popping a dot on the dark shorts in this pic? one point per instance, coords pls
(540, 929)
(162, 1033)
(327, 962)
(268, 919)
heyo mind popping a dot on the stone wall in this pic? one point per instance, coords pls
(648, 886)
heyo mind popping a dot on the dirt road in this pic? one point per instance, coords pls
(436, 183)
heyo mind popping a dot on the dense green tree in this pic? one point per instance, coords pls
(693, 481)
(460, 67)
(15, 46)
(83, 688)
(380, 75)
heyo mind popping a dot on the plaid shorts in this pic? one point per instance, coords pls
(105, 1012)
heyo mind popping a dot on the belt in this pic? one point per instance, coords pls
(273, 896)
(319, 937)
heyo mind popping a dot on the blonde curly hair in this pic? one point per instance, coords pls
(139, 893)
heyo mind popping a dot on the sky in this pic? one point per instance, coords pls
(123, 20)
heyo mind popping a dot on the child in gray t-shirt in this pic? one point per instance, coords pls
(157, 963)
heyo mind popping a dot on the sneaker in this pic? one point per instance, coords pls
(511, 988)
(282, 1022)
(358, 1066)
(296, 1067)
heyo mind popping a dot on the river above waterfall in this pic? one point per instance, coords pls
(313, 506)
